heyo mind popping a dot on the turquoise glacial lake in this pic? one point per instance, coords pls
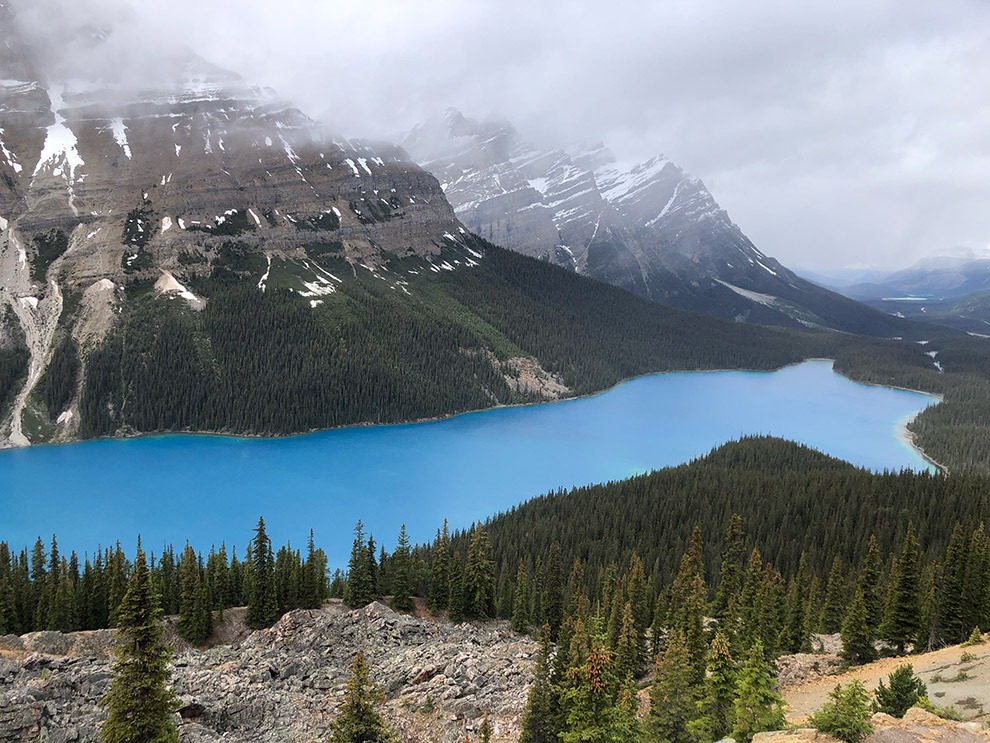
(209, 489)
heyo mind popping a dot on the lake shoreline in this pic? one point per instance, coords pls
(904, 434)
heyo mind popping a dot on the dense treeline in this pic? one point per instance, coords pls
(266, 363)
(783, 491)
(269, 363)
(43, 589)
(807, 514)
(59, 382)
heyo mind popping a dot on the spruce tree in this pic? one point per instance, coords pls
(758, 706)
(948, 620)
(440, 571)
(749, 602)
(139, 705)
(869, 582)
(116, 582)
(456, 602)
(599, 706)
(902, 620)
(520, 601)
(716, 711)
(541, 718)
(627, 652)
(401, 563)
(730, 567)
(673, 695)
(360, 589)
(262, 605)
(479, 578)
(575, 587)
(189, 624)
(358, 720)
(857, 639)
(835, 599)
(795, 637)
(636, 595)
(553, 588)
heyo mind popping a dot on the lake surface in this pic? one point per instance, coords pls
(211, 488)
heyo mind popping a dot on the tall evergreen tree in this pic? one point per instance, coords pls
(360, 589)
(795, 637)
(716, 711)
(553, 590)
(759, 706)
(902, 620)
(520, 601)
(440, 571)
(541, 718)
(857, 638)
(139, 705)
(600, 708)
(401, 573)
(835, 598)
(639, 604)
(730, 567)
(673, 695)
(262, 605)
(627, 652)
(456, 600)
(195, 620)
(479, 578)
(869, 582)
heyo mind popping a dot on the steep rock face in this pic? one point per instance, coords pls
(284, 684)
(105, 187)
(650, 227)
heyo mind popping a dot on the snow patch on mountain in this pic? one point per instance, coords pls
(120, 135)
(60, 152)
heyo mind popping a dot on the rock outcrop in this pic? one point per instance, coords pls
(917, 726)
(284, 684)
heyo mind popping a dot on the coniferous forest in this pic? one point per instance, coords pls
(270, 363)
(748, 505)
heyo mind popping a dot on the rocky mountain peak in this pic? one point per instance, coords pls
(647, 226)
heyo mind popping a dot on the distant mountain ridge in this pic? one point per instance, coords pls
(649, 228)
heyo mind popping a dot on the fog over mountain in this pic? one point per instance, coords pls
(836, 134)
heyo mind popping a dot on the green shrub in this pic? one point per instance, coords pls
(847, 715)
(903, 692)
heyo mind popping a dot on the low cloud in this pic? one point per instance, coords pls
(834, 133)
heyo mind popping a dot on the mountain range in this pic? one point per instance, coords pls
(649, 227)
(951, 288)
(194, 253)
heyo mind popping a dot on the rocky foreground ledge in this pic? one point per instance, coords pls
(284, 684)
(917, 726)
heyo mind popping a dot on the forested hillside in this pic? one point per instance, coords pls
(271, 362)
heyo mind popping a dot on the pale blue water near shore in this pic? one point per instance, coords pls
(212, 488)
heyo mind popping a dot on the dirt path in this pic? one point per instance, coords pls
(969, 695)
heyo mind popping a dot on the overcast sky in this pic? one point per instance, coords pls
(835, 133)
